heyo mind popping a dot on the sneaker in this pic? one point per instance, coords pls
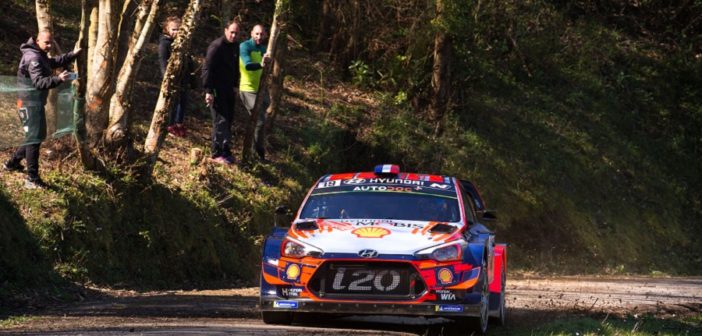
(261, 156)
(35, 184)
(182, 131)
(229, 158)
(9, 166)
(221, 160)
(172, 130)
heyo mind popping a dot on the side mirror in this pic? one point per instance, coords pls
(488, 216)
(282, 212)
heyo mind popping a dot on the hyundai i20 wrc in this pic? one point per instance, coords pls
(386, 243)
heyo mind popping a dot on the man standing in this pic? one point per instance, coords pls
(36, 76)
(220, 77)
(253, 58)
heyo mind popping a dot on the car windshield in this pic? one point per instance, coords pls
(382, 205)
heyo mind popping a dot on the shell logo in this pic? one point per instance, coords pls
(371, 232)
(445, 276)
(292, 272)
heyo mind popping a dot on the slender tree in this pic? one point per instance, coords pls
(440, 82)
(100, 81)
(277, 79)
(79, 85)
(118, 114)
(45, 22)
(170, 85)
(279, 23)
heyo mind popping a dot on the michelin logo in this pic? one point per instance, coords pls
(449, 308)
(285, 304)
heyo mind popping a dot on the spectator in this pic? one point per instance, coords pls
(177, 114)
(220, 78)
(252, 59)
(35, 73)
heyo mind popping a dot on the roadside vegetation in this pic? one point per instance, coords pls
(580, 122)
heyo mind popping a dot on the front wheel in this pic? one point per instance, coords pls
(480, 323)
(270, 317)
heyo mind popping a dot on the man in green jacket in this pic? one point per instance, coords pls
(252, 59)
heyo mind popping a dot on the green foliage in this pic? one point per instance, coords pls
(361, 74)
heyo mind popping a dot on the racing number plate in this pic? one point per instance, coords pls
(362, 279)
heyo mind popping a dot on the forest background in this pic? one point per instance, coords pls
(579, 120)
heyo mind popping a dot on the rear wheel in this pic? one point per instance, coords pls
(500, 319)
(270, 317)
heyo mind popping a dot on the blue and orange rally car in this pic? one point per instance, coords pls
(386, 243)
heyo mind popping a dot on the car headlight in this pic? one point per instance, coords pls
(451, 252)
(295, 249)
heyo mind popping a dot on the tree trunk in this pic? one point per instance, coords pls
(170, 85)
(279, 22)
(125, 32)
(117, 132)
(45, 22)
(323, 36)
(277, 80)
(92, 37)
(440, 82)
(100, 84)
(355, 33)
(81, 64)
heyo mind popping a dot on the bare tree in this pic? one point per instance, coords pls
(45, 22)
(279, 22)
(79, 85)
(100, 83)
(170, 84)
(277, 79)
(118, 114)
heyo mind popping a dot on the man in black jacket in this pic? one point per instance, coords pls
(35, 75)
(220, 78)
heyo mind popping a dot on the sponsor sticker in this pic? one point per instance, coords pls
(371, 232)
(355, 181)
(290, 291)
(449, 308)
(292, 272)
(445, 276)
(285, 304)
(439, 186)
(446, 295)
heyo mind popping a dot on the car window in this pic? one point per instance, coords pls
(382, 205)
(468, 206)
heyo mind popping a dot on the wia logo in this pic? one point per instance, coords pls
(447, 296)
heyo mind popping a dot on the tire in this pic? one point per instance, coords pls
(480, 324)
(284, 318)
(500, 319)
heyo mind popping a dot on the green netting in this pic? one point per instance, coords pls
(21, 113)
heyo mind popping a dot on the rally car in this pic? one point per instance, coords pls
(386, 243)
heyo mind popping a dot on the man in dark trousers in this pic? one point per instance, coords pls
(35, 74)
(252, 59)
(220, 78)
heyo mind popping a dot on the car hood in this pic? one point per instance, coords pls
(383, 236)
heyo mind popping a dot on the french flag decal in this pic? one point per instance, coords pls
(387, 169)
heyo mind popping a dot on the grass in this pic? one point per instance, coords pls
(606, 326)
(14, 321)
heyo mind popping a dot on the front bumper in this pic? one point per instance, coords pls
(350, 308)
